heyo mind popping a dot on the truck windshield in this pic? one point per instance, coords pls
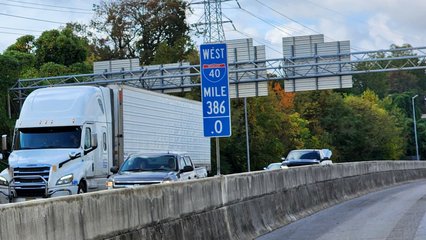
(47, 137)
(145, 163)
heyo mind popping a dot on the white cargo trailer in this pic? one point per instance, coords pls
(67, 138)
(156, 122)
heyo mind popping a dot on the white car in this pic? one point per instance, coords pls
(273, 166)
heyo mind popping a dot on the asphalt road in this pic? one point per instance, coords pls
(396, 213)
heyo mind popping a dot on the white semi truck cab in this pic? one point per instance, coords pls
(67, 138)
(55, 148)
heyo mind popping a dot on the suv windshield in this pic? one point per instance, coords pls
(47, 137)
(295, 155)
(151, 163)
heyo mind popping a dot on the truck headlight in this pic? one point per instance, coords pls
(167, 180)
(3, 181)
(65, 179)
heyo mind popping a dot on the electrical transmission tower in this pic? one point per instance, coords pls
(213, 21)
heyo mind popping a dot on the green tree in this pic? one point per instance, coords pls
(61, 47)
(25, 60)
(403, 101)
(24, 44)
(53, 69)
(327, 114)
(370, 81)
(142, 29)
(400, 106)
(30, 73)
(354, 127)
(402, 82)
(384, 83)
(9, 70)
(272, 134)
(80, 68)
(421, 133)
(166, 53)
(372, 133)
(376, 82)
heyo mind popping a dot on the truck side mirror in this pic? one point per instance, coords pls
(74, 155)
(4, 143)
(94, 140)
(114, 169)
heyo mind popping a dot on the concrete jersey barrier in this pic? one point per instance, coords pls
(238, 206)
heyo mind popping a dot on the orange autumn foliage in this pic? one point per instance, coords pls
(286, 98)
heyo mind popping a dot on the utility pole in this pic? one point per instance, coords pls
(415, 128)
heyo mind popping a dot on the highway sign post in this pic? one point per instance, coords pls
(215, 92)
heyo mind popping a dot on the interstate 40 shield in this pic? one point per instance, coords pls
(215, 90)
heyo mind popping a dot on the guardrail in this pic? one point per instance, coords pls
(240, 206)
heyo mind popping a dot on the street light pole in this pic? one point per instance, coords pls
(415, 128)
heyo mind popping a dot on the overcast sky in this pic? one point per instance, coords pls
(368, 24)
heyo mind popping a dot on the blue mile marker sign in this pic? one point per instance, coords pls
(215, 90)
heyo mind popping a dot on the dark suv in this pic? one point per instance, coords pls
(307, 157)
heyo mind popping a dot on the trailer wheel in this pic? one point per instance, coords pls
(82, 187)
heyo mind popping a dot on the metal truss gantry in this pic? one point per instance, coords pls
(180, 78)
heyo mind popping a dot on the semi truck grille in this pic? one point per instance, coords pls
(30, 193)
(28, 181)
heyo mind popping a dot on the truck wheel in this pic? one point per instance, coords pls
(82, 187)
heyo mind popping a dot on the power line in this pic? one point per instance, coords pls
(249, 36)
(326, 8)
(252, 37)
(280, 28)
(28, 18)
(269, 23)
(202, 8)
(44, 9)
(13, 33)
(47, 5)
(341, 14)
(21, 29)
(297, 22)
(263, 4)
(263, 20)
(255, 39)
